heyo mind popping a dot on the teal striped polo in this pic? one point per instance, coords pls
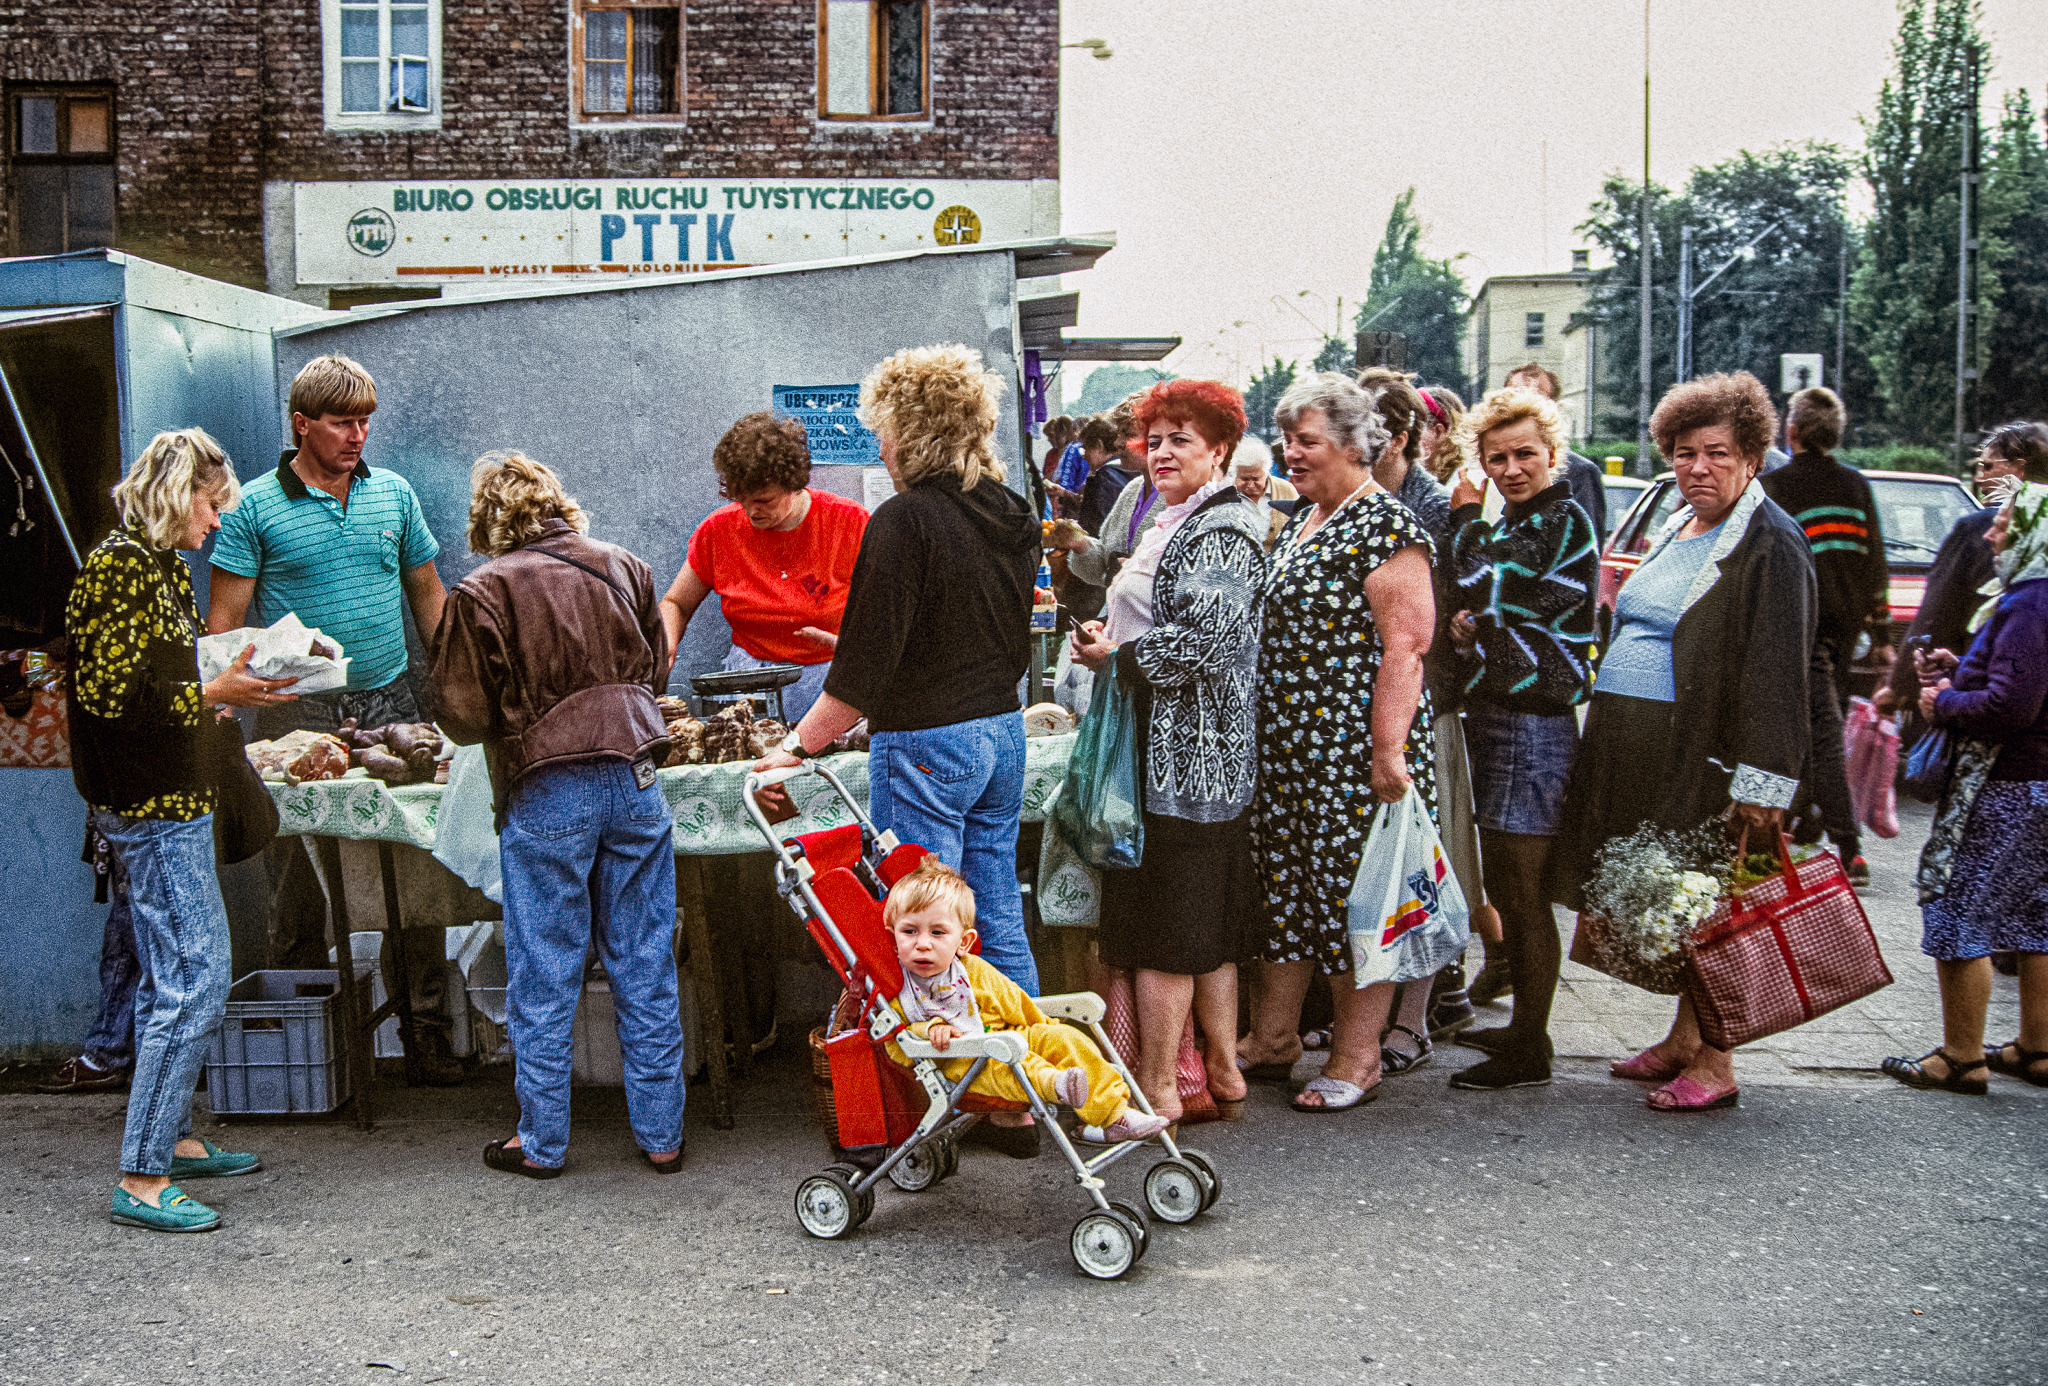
(337, 569)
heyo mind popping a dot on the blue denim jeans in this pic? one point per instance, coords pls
(958, 792)
(181, 939)
(110, 1044)
(588, 858)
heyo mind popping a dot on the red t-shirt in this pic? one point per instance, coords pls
(772, 583)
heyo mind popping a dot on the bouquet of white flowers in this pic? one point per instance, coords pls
(1648, 893)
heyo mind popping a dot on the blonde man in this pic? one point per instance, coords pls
(551, 655)
(345, 547)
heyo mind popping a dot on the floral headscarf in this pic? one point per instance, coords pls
(2025, 556)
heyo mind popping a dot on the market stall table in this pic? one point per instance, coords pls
(416, 890)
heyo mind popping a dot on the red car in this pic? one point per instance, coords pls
(1915, 511)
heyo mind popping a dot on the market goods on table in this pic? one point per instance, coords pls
(290, 649)
(733, 733)
(299, 756)
(400, 753)
(1048, 719)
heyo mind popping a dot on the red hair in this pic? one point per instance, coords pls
(1214, 409)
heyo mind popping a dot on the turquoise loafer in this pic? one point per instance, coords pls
(174, 1212)
(215, 1164)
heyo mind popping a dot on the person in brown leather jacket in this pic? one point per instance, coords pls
(551, 655)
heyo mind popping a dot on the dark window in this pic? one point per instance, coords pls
(62, 157)
(1532, 330)
(632, 61)
(873, 59)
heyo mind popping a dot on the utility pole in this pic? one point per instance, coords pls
(1966, 264)
(1842, 317)
(1683, 357)
(1643, 467)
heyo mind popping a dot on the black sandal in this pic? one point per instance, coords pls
(1400, 1060)
(2022, 1070)
(1913, 1073)
(510, 1159)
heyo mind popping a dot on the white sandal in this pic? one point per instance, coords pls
(1336, 1094)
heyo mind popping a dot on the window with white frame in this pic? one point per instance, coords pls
(383, 63)
(874, 60)
(628, 60)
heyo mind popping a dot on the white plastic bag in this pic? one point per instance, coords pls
(283, 651)
(1408, 917)
(465, 829)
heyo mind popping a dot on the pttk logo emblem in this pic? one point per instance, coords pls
(956, 226)
(371, 232)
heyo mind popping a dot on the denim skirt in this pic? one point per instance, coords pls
(1520, 762)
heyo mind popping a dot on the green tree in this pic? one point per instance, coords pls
(1335, 355)
(1410, 293)
(1903, 304)
(1263, 393)
(2015, 381)
(1107, 385)
(1782, 296)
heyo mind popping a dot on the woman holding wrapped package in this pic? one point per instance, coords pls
(1701, 706)
(551, 655)
(141, 746)
(1183, 637)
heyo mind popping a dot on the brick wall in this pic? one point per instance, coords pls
(214, 100)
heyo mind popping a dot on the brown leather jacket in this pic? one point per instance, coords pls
(544, 663)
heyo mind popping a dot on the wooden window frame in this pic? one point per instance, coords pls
(10, 130)
(878, 60)
(335, 117)
(599, 119)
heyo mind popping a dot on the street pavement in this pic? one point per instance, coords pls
(1833, 1228)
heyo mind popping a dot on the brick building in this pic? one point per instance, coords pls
(353, 150)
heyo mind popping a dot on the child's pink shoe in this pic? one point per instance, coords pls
(1071, 1087)
(1133, 1125)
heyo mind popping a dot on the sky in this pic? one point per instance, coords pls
(1246, 150)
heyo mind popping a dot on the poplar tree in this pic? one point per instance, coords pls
(1413, 294)
(2015, 380)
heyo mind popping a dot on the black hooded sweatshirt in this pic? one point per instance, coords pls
(938, 614)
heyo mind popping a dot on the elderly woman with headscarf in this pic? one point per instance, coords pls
(551, 655)
(143, 760)
(1984, 873)
(1343, 716)
(1183, 637)
(1701, 706)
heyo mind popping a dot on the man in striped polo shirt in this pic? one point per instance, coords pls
(346, 548)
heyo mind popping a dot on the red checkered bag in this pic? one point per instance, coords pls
(1787, 949)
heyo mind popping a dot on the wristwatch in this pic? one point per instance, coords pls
(794, 745)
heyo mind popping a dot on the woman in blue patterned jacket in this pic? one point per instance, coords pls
(1183, 635)
(1524, 632)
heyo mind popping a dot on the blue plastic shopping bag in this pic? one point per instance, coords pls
(1097, 810)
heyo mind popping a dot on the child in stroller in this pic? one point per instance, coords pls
(948, 992)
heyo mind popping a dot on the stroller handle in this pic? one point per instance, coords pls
(758, 780)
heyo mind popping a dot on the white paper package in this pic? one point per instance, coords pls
(283, 651)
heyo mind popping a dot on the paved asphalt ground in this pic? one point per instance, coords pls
(1833, 1228)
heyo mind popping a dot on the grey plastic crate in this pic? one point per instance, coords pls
(277, 1049)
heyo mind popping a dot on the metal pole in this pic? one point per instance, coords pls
(1842, 318)
(1966, 259)
(1643, 468)
(1683, 370)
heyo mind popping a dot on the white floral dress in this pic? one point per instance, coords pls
(1318, 661)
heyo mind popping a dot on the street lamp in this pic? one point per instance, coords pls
(1096, 46)
(1689, 291)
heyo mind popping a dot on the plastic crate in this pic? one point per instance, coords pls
(278, 1049)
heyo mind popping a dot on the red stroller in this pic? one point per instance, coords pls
(910, 1120)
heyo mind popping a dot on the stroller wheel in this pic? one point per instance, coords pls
(952, 1153)
(1212, 1182)
(1175, 1191)
(921, 1168)
(1105, 1244)
(828, 1207)
(1138, 1220)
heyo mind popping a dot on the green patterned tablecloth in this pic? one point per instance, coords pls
(710, 820)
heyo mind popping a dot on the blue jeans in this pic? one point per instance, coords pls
(181, 939)
(958, 792)
(588, 858)
(111, 1043)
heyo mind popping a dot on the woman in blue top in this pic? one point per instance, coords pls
(1701, 705)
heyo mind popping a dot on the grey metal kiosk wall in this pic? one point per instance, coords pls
(625, 390)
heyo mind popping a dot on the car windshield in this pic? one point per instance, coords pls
(1916, 516)
(1622, 493)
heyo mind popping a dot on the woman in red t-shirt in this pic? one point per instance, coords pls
(779, 557)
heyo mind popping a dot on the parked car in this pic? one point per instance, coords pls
(1622, 492)
(1915, 511)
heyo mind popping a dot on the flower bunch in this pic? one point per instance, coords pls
(1650, 892)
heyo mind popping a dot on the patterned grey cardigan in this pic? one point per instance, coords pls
(1199, 664)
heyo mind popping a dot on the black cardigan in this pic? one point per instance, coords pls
(1740, 657)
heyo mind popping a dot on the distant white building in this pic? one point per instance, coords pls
(1519, 318)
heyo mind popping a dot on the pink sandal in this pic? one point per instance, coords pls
(1682, 1094)
(1646, 1067)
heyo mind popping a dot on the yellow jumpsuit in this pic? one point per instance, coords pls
(1003, 1005)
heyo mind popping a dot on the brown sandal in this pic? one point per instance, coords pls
(2023, 1069)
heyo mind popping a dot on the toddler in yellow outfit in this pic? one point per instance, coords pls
(948, 992)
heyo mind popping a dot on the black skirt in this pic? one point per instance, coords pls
(1618, 783)
(1189, 906)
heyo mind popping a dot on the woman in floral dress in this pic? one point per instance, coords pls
(1344, 726)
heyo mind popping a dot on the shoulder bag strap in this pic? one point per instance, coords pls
(564, 558)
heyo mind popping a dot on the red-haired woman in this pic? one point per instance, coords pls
(1183, 636)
